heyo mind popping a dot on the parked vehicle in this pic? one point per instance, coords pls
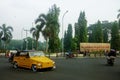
(33, 60)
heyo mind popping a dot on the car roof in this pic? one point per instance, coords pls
(30, 51)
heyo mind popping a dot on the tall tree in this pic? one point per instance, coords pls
(82, 23)
(81, 29)
(65, 41)
(6, 32)
(119, 23)
(30, 43)
(98, 33)
(1, 40)
(46, 35)
(50, 26)
(54, 27)
(118, 16)
(45, 21)
(115, 37)
(69, 37)
(105, 35)
(77, 34)
(15, 44)
(106, 28)
(36, 33)
(74, 44)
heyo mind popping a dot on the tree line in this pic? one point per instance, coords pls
(48, 24)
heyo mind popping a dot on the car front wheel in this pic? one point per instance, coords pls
(34, 69)
(15, 65)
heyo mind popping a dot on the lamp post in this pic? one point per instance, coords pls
(63, 32)
(22, 38)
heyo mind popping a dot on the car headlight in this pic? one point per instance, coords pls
(39, 64)
(53, 62)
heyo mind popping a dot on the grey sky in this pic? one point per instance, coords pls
(22, 13)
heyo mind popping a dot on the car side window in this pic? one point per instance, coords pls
(27, 55)
(18, 54)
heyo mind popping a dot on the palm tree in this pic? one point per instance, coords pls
(50, 24)
(46, 34)
(36, 33)
(1, 38)
(44, 20)
(118, 16)
(6, 34)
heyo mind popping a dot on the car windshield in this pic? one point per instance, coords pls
(33, 54)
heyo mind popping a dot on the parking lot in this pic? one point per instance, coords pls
(67, 69)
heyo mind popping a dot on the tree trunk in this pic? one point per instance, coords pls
(36, 44)
(46, 45)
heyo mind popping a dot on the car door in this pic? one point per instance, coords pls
(21, 61)
(27, 62)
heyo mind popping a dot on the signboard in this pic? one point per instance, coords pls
(94, 47)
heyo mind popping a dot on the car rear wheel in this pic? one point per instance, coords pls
(15, 65)
(34, 69)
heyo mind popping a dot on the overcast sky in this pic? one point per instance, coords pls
(22, 13)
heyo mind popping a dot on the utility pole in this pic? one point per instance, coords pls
(63, 32)
(26, 38)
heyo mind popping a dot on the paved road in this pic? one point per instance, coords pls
(70, 69)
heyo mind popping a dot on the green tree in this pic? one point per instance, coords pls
(106, 28)
(98, 33)
(36, 32)
(118, 16)
(119, 23)
(77, 34)
(74, 44)
(53, 26)
(15, 44)
(93, 35)
(1, 40)
(6, 32)
(82, 23)
(69, 37)
(45, 21)
(90, 34)
(115, 37)
(105, 35)
(30, 43)
(81, 29)
(46, 35)
(20, 44)
(65, 41)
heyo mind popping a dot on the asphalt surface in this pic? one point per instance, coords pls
(67, 69)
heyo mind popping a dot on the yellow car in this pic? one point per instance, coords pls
(33, 60)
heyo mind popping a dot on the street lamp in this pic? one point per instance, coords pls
(63, 32)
